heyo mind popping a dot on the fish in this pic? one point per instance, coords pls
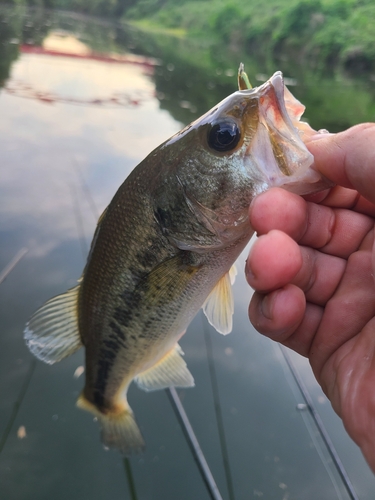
(165, 247)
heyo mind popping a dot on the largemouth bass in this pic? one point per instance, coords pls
(165, 247)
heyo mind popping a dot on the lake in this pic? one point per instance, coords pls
(81, 103)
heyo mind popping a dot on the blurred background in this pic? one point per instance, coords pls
(87, 89)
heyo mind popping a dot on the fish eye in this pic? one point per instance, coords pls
(223, 136)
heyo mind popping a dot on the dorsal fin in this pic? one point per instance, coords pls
(52, 331)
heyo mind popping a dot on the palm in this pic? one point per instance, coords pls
(352, 369)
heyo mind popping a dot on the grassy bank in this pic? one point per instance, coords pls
(315, 32)
(326, 33)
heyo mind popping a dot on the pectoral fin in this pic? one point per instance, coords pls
(170, 371)
(219, 306)
(52, 331)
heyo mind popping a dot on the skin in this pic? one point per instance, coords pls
(313, 270)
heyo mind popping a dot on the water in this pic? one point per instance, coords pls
(71, 130)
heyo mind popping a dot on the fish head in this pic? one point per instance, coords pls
(251, 141)
(259, 131)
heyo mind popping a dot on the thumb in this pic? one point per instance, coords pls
(348, 158)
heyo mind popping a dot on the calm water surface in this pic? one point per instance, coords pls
(71, 130)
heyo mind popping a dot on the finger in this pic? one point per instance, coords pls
(341, 197)
(335, 231)
(284, 316)
(278, 313)
(279, 209)
(348, 158)
(274, 260)
(314, 272)
(319, 275)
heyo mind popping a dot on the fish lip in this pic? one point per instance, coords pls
(277, 83)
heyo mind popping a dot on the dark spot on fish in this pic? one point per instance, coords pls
(104, 366)
(125, 313)
(117, 330)
(109, 354)
(223, 185)
(163, 218)
(151, 321)
(147, 258)
(98, 399)
(127, 296)
(123, 316)
(137, 275)
(111, 344)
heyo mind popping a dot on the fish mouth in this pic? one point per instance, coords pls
(278, 147)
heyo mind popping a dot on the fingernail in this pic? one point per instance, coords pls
(266, 306)
(251, 207)
(253, 201)
(249, 272)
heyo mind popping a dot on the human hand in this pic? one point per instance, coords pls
(313, 268)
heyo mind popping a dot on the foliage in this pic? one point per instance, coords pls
(108, 8)
(316, 32)
(9, 51)
(298, 20)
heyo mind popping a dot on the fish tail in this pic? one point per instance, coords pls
(118, 428)
(52, 332)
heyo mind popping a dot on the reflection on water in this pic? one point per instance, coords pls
(71, 130)
(59, 146)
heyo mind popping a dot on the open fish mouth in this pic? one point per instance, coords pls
(278, 147)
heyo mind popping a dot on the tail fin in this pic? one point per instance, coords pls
(119, 430)
(52, 331)
(122, 432)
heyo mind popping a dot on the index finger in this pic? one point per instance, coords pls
(348, 158)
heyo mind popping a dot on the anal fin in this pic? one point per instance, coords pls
(170, 371)
(219, 305)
